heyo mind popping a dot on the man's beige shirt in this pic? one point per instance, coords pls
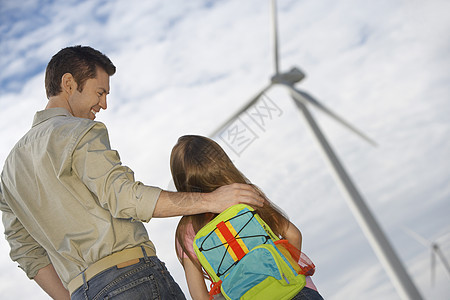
(66, 199)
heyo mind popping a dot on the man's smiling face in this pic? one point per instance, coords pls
(87, 103)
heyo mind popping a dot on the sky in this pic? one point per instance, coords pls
(184, 67)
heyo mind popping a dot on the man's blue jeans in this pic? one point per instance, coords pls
(148, 279)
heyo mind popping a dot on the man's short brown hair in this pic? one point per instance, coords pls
(80, 61)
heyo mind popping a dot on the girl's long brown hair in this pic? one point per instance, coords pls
(199, 164)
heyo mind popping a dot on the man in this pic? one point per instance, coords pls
(72, 212)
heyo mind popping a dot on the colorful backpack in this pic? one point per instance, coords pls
(238, 251)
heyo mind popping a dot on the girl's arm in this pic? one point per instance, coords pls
(195, 281)
(294, 236)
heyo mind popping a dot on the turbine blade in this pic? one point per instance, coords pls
(439, 253)
(433, 265)
(417, 237)
(275, 36)
(240, 111)
(305, 98)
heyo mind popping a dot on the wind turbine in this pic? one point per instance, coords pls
(373, 232)
(435, 251)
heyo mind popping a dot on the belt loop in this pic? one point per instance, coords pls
(145, 254)
(84, 281)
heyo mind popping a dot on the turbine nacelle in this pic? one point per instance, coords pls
(290, 78)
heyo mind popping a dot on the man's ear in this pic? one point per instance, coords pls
(68, 83)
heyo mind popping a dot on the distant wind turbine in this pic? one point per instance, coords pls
(435, 251)
(380, 244)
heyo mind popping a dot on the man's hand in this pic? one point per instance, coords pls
(232, 194)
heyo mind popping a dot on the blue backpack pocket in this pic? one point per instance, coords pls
(263, 273)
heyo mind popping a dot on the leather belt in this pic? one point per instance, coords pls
(121, 259)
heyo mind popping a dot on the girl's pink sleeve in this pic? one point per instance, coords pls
(189, 243)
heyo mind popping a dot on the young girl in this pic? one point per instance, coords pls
(198, 164)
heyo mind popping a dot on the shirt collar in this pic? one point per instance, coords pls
(48, 113)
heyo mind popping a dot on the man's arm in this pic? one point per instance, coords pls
(172, 204)
(49, 281)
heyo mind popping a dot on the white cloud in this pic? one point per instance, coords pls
(184, 67)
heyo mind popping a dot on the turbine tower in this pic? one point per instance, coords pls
(370, 227)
